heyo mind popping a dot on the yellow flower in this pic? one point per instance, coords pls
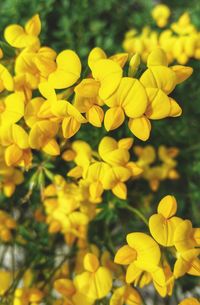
(189, 301)
(42, 135)
(20, 37)
(187, 262)
(130, 98)
(96, 281)
(94, 175)
(67, 71)
(113, 152)
(141, 253)
(163, 225)
(125, 295)
(160, 14)
(87, 101)
(11, 109)
(108, 73)
(25, 296)
(33, 66)
(67, 288)
(114, 179)
(11, 177)
(15, 139)
(183, 26)
(186, 237)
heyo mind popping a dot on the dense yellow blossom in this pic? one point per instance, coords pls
(180, 39)
(46, 99)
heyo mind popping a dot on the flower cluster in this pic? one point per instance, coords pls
(30, 122)
(148, 262)
(46, 98)
(180, 40)
(155, 173)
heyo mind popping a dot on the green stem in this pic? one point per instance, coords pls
(138, 213)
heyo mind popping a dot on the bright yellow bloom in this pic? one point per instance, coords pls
(141, 253)
(32, 67)
(160, 14)
(187, 262)
(87, 101)
(20, 37)
(189, 301)
(186, 237)
(67, 288)
(163, 225)
(11, 177)
(125, 295)
(26, 296)
(11, 109)
(106, 71)
(96, 281)
(15, 139)
(67, 71)
(130, 99)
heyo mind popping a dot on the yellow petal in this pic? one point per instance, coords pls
(13, 154)
(91, 262)
(175, 109)
(160, 77)
(52, 148)
(132, 96)
(125, 143)
(185, 261)
(20, 137)
(6, 78)
(157, 58)
(95, 116)
(15, 35)
(96, 189)
(114, 117)
(65, 287)
(148, 251)
(33, 26)
(120, 190)
(109, 73)
(41, 133)
(70, 127)
(125, 255)
(183, 236)
(182, 73)
(68, 70)
(14, 110)
(95, 55)
(47, 91)
(163, 229)
(167, 206)
(120, 58)
(189, 301)
(159, 104)
(140, 127)
(132, 273)
(103, 282)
